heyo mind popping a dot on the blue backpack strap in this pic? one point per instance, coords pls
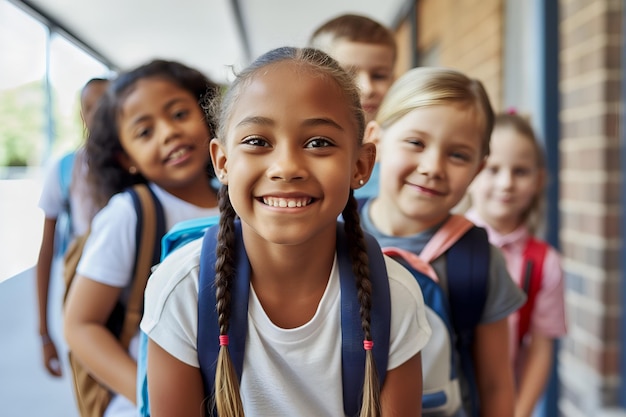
(468, 263)
(208, 328)
(66, 167)
(184, 232)
(352, 352)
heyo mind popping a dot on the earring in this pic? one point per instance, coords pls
(221, 175)
(132, 170)
(361, 182)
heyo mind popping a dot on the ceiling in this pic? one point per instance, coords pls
(211, 35)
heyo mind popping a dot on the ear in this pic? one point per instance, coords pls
(373, 133)
(364, 165)
(125, 161)
(219, 160)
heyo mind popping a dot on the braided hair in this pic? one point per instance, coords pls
(227, 391)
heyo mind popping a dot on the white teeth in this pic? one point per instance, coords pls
(178, 153)
(285, 202)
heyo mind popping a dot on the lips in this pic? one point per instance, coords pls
(429, 191)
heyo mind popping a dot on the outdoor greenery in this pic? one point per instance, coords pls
(24, 127)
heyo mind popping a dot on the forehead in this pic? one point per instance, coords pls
(93, 92)
(361, 55)
(290, 92)
(153, 91)
(508, 142)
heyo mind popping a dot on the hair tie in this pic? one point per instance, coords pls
(368, 344)
(223, 340)
(511, 111)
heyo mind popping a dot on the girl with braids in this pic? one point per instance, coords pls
(149, 128)
(289, 154)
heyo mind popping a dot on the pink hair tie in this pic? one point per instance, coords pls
(511, 111)
(223, 340)
(368, 344)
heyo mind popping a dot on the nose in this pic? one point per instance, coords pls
(287, 164)
(168, 130)
(504, 179)
(431, 163)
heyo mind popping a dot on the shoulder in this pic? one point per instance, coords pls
(410, 330)
(400, 279)
(181, 265)
(174, 284)
(118, 208)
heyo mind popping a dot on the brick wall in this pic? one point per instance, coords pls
(590, 209)
(466, 35)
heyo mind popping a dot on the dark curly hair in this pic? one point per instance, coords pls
(106, 176)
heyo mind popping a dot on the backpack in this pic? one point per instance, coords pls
(92, 398)
(532, 277)
(452, 318)
(353, 355)
(64, 228)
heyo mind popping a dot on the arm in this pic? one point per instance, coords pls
(88, 306)
(494, 372)
(44, 266)
(534, 375)
(399, 397)
(175, 389)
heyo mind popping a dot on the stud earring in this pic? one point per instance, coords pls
(221, 175)
(132, 170)
(361, 182)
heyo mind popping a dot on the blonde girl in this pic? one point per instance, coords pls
(506, 199)
(432, 135)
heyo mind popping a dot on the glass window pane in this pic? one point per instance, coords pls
(70, 69)
(22, 98)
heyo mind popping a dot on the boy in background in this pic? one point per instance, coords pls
(367, 49)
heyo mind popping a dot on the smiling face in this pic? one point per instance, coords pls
(504, 192)
(427, 159)
(164, 134)
(290, 155)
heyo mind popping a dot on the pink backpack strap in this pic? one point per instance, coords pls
(413, 260)
(447, 235)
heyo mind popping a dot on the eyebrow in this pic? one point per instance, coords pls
(316, 121)
(168, 105)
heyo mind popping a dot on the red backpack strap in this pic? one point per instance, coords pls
(532, 275)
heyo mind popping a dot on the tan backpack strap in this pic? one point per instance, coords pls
(143, 263)
(447, 235)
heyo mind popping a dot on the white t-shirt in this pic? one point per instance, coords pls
(109, 254)
(286, 372)
(52, 200)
